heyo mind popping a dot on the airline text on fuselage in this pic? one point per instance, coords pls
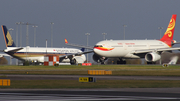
(67, 51)
(126, 43)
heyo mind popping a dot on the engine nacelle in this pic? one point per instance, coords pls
(152, 57)
(98, 58)
(77, 59)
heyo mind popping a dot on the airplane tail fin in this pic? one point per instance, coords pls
(82, 49)
(7, 37)
(168, 35)
(173, 60)
(65, 40)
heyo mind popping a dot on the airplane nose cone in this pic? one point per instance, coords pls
(97, 51)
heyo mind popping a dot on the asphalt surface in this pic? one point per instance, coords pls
(130, 94)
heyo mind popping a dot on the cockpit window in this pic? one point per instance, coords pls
(98, 46)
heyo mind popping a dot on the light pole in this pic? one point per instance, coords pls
(27, 40)
(46, 46)
(52, 33)
(34, 35)
(11, 35)
(27, 34)
(87, 44)
(21, 23)
(160, 28)
(124, 30)
(17, 24)
(104, 35)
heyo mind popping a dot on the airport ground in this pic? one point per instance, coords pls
(127, 82)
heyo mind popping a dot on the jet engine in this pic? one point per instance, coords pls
(152, 57)
(98, 58)
(77, 59)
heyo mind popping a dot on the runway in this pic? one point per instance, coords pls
(129, 94)
(109, 94)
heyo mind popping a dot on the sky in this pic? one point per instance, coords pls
(73, 18)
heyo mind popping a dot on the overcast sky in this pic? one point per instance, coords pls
(73, 18)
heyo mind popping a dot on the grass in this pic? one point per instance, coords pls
(119, 70)
(54, 84)
(75, 67)
(117, 73)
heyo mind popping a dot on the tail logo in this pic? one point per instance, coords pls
(66, 41)
(170, 27)
(10, 40)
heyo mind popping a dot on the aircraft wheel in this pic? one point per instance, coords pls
(151, 63)
(121, 61)
(73, 61)
(102, 63)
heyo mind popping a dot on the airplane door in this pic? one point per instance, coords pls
(125, 46)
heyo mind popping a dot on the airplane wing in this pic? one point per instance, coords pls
(7, 52)
(154, 50)
(75, 45)
(75, 54)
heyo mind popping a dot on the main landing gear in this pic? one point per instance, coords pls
(151, 63)
(121, 61)
(73, 61)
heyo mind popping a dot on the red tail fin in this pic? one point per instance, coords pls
(65, 40)
(168, 35)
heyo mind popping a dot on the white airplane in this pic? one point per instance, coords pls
(36, 54)
(173, 60)
(133, 49)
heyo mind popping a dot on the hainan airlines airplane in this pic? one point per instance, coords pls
(127, 49)
(71, 55)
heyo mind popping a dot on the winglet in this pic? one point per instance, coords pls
(66, 41)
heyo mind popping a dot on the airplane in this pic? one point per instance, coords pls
(36, 54)
(134, 49)
(173, 61)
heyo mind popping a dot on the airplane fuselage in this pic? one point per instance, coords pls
(125, 48)
(38, 53)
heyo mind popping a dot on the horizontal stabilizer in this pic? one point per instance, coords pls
(14, 50)
(75, 54)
